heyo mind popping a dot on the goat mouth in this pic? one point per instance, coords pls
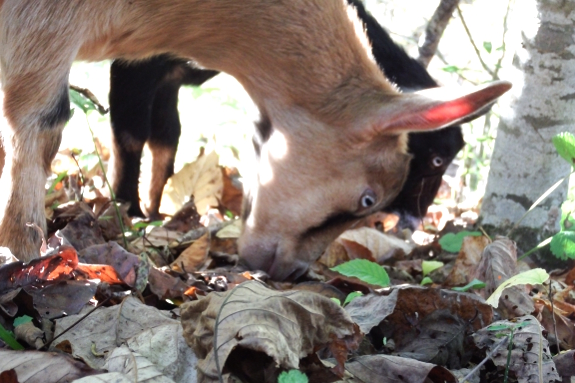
(290, 271)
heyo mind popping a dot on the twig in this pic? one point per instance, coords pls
(45, 347)
(505, 29)
(483, 64)
(90, 96)
(434, 30)
(493, 351)
(107, 182)
(551, 295)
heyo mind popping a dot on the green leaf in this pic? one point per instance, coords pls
(351, 296)
(336, 300)
(143, 225)
(21, 320)
(487, 46)
(498, 327)
(426, 281)
(563, 245)
(8, 338)
(452, 242)
(533, 277)
(367, 271)
(451, 69)
(81, 102)
(565, 145)
(292, 376)
(429, 266)
(474, 284)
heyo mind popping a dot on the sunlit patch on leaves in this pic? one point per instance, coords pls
(565, 145)
(369, 272)
(452, 242)
(563, 245)
(533, 277)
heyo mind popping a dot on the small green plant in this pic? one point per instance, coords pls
(426, 281)
(430, 266)
(351, 296)
(452, 242)
(562, 244)
(8, 338)
(86, 104)
(367, 271)
(474, 284)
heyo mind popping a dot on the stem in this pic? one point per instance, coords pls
(112, 194)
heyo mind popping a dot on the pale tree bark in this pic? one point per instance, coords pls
(525, 163)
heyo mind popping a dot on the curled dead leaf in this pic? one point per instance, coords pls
(287, 326)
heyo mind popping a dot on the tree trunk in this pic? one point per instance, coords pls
(525, 163)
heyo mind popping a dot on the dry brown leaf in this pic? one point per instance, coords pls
(124, 263)
(287, 326)
(334, 255)
(368, 311)
(382, 246)
(64, 298)
(232, 195)
(185, 219)
(556, 318)
(390, 369)
(83, 231)
(109, 223)
(201, 178)
(165, 286)
(466, 263)
(356, 251)
(41, 367)
(58, 266)
(158, 237)
(565, 363)
(193, 256)
(498, 264)
(530, 359)
(426, 324)
(233, 230)
(30, 334)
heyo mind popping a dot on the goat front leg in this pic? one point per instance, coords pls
(31, 138)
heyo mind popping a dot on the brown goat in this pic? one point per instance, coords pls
(332, 141)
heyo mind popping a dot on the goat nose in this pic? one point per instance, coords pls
(256, 254)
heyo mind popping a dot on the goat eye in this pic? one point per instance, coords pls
(437, 161)
(367, 199)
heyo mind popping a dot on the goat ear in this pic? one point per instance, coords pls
(435, 108)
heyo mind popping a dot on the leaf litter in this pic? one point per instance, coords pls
(169, 303)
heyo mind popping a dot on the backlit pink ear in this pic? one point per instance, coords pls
(438, 107)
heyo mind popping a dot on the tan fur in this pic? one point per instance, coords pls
(304, 63)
